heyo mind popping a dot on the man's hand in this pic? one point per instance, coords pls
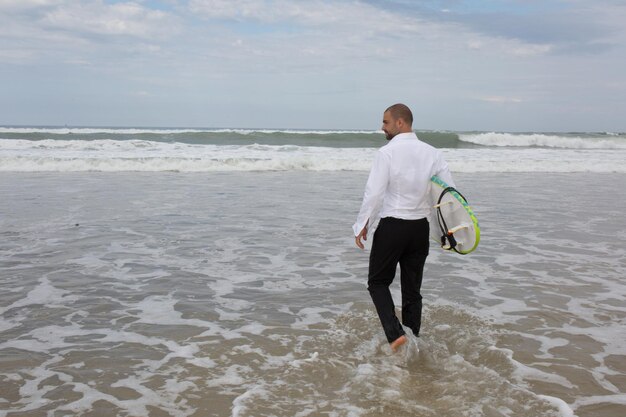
(363, 235)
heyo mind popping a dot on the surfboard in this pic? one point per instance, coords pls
(453, 223)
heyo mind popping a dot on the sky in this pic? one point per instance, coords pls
(461, 65)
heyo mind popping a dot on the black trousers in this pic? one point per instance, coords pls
(405, 242)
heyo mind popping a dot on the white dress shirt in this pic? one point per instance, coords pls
(399, 182)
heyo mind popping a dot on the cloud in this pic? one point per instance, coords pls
(131, 19)
(298, 53)
(311, 36)
(557, 27)
(281, 34)
(548, 27)
(500, 99)
(94, 17)
(260, 32)
(82, 32)
(235, 9)
(140, 93)
(341, 17)
(313, 12)
(21, 5)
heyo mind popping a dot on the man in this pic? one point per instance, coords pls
(399, 184)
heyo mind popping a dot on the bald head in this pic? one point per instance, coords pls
(397, 119)
(401, 111)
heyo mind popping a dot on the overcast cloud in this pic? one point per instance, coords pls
(461, 65)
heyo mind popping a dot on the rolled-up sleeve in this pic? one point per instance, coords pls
(374, 191)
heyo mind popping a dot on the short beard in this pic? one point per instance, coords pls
(389, 136)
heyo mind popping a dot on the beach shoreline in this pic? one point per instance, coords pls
(208, 282)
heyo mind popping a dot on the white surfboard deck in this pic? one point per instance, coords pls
(460, 221)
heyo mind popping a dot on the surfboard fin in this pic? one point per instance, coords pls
(448, 241)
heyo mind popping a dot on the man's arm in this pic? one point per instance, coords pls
(374, 194)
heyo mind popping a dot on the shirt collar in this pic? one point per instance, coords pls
(404, 136)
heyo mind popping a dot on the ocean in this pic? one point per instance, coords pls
(213, 272)
(210, 150)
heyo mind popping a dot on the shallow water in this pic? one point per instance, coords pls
(242, 294)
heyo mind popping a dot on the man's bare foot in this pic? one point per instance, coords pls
(395, 345)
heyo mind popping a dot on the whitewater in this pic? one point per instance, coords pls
(189, 150)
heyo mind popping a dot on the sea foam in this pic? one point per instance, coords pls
(545, 140)
(107, 155)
